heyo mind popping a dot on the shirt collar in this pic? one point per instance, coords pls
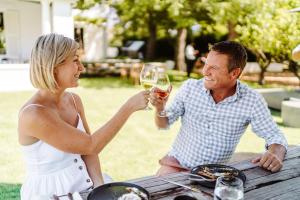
(232, 98)
(237, 92)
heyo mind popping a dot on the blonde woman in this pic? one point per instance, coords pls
(60, 151)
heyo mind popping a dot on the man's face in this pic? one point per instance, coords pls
(216, 74)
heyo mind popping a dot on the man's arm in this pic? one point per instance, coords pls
(265, 127)
(175, 110)
(161, 122)
(272, 159)
(159, 104)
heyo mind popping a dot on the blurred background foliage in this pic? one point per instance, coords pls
(265, 27)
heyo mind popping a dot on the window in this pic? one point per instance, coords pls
(2, 39)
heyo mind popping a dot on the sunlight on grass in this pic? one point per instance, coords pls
(133, 153)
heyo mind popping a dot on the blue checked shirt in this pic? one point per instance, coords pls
(210, 132)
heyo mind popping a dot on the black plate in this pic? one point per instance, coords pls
(112, 191)
(216, 168)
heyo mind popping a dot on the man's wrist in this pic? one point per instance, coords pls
(278, 150)
(158, 110)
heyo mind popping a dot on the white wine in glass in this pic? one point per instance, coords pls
(148, 78)
(147, 85)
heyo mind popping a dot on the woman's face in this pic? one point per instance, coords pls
(67, 73)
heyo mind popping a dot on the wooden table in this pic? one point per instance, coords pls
(260, 185)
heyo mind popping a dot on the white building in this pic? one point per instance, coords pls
(95, 37)
(25, 20)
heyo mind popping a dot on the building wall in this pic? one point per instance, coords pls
(62, 18)
(22, 23)
(94, 43)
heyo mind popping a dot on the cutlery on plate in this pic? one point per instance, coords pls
(185, 186)
(199, 177)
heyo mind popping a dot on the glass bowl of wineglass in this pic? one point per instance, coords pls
(148, 77)
(229, 188)
(162, 88)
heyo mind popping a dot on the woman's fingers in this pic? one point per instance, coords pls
(146, 94)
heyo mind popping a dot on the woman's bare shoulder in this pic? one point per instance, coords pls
(77, 100)
(36, 108)
(31, 116)
(33, 104)
(33, 113)
(76, 97)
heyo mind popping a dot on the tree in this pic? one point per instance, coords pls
(141, 18)
(148, 17)
(271, 32)
(288, 35)
(264, 27)
(184, 14)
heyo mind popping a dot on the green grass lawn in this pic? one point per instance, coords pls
(133, 153)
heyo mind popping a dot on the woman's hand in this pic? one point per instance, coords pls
(139, 101)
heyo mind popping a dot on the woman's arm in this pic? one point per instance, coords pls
(46, 125)
(91, 161)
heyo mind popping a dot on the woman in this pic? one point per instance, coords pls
(60, 153)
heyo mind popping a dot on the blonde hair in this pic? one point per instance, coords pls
(48, 52)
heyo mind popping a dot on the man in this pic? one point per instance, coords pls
(190, 57)
(215, 111)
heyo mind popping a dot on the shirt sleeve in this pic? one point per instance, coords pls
(263, 124)
(176, 109)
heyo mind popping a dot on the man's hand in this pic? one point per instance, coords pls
(271, 159)
(157, 101)
(159, 104)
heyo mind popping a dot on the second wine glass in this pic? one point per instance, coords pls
(162, 88)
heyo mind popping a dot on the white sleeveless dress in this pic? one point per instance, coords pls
(51, 171)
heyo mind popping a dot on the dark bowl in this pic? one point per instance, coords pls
(112, 191)
(184, 197)
(216, 168)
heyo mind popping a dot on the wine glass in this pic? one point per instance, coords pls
(162, 88)
(229, 189)
(148, 78)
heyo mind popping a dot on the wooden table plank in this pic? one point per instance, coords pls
(161, 189)
(292, 153)
(280, 190)
(259, 177)
(175, 193)
(261, 184)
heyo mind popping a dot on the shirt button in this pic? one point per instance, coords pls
(80, 167)
(88, 180)
(75, 160)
